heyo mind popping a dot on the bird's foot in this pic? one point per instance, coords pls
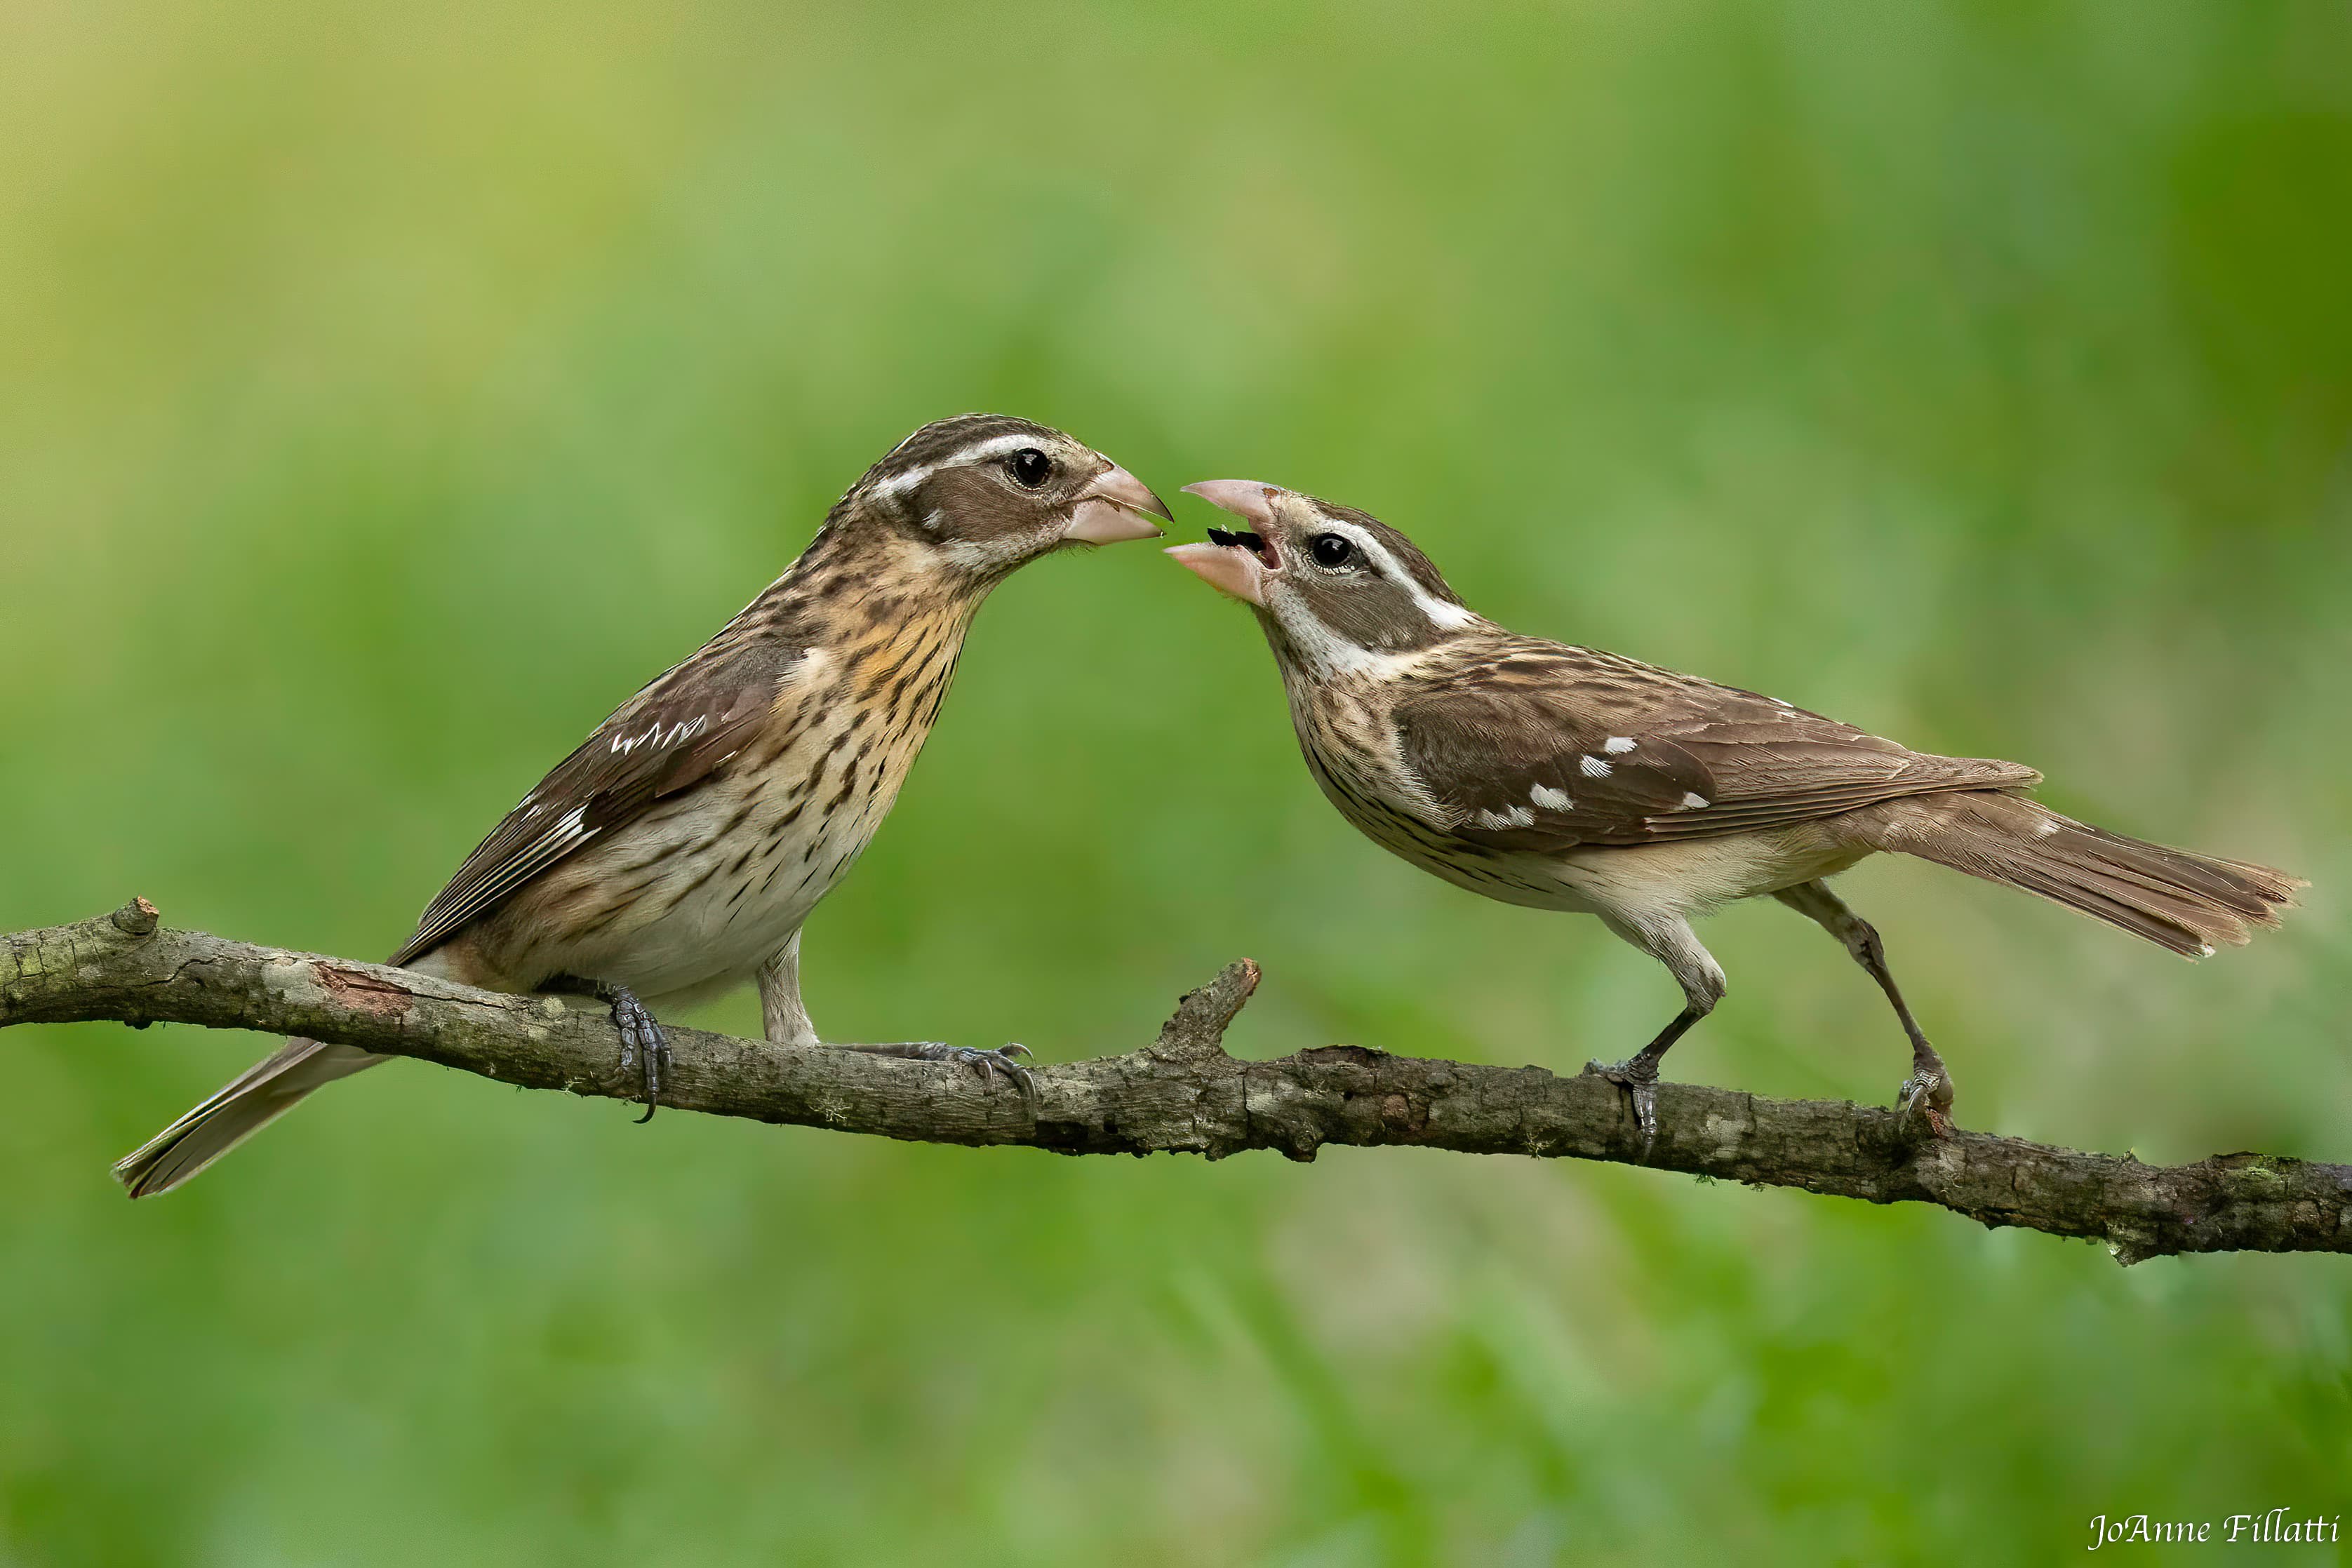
(1638, 1076)
(643, 1044)
(1927, 1094)
(987, 1065)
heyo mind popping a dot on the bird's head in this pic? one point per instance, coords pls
(1335, 588)
(980, 493)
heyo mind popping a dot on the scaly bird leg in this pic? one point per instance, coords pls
(643, 1046)
(986, 1064)
(1928, 1090)
(1670, 940)
(786, 1022)
(641, 1041)
(1638, 1074)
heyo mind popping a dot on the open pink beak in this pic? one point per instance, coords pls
(1116, 505)
(1233, 566)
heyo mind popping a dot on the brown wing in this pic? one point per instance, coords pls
(663, 740)
(1545, 746)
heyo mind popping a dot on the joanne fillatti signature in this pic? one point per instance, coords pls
(2279, 1527)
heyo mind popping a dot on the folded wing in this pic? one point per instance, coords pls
(1549, 747)
(665, 740)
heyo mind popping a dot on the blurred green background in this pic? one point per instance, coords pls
(388, 392)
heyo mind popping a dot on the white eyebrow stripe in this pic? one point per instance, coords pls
(1446, 617)
(962, 456)
(1443, 615)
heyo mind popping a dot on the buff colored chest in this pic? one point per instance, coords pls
(691, 898)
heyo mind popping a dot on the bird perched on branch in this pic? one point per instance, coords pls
(1565, 777)
(675, 855)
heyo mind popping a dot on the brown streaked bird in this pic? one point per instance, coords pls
(675, 855)
(1565, 777)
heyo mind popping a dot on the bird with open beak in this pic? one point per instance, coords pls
(675, 855)
(1563, 778)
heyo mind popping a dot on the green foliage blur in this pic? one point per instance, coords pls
(386, 392)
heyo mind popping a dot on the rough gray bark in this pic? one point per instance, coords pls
(1182, 1094)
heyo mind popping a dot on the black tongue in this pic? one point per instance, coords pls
(1248, 541)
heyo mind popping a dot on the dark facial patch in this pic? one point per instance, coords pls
(1364, 600)
(929, 490)
(1364, 608)
(1407, 554)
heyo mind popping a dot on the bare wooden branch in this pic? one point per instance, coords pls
(1183, 1094)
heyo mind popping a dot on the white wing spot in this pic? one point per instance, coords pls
(1694, 802)
(2042, 830)
(1593, 767)
(1551, 800)
(1619, 746)
(684, 730)
(1516, 817)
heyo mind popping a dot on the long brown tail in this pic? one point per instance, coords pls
(2187, 903)
(262, 1093)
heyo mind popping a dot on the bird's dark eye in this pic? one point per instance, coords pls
(1331, 551)
(1029, 467)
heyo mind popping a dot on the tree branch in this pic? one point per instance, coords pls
(1182, 1094)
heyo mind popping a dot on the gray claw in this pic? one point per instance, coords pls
(641, 1039)
(1643, 1087)
(986, 1065)
(1927, 1095)
(991, 1062)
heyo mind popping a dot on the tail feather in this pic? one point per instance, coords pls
(256, 1097)
(2187, 902)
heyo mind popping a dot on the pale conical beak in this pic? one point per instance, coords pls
(1116, 506)
(1248, 499)
(1228, 568)
(1234, 564)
